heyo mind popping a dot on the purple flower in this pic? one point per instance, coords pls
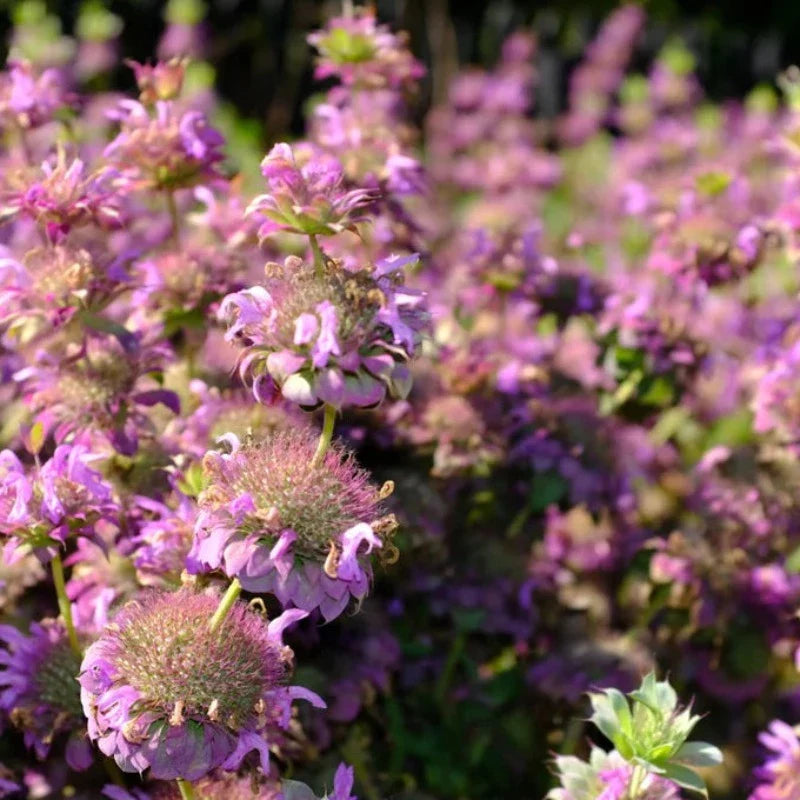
(164, 539)
(160, 81)
(162, 691)
(281, 524)
(109, 390)
(306, 194)
(66, 197)
(163, 146)
(342, 786)
(339, 337)
(29, 98)
(39, 689)
(606, 776)
(779, 776)
(41, 508)
(362, 53)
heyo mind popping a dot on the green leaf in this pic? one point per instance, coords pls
(699, 754)
(96, 322)
(685, 778)
(605, 716)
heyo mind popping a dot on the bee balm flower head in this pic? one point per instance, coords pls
(335, 336)
(281, 523)
(160, 689)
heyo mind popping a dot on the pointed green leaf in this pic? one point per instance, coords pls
(685, 778)
(699, 754)
(604, 716)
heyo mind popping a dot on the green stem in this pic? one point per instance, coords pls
(63, 603)
(326, 435)
(637, 776)
(319, 260)
(225, 604)
(173, 215)
(453, 657)
(186, 789)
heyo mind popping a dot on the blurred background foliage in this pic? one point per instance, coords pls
(262, 64)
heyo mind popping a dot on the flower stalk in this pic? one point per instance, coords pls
(64, 606)
(225, 604)
(325, 437)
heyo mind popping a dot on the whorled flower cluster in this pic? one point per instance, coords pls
(162, 690)
(323, 334)
(283, 522)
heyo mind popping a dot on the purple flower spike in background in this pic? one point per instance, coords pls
(162, 691)
(282, 524)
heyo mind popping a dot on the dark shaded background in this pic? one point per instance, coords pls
(263, 63)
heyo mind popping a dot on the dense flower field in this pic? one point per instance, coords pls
(454, 459)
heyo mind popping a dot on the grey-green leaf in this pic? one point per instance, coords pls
(685, 778)
(699, 754)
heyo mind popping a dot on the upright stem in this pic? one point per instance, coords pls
(173, 215)
(225, 604)
(63, 603)
(319, 261)
(186, 789)
(637, 776)
(326, 435)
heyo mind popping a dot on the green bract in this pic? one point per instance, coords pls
(650, 730)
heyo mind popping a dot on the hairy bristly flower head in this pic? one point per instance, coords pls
(281, 523)
(39, 688)
(162, 690)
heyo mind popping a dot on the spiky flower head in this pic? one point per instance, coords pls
(360, 52)
(41, 507)
(29, 97)
(160, 81)
(652, 730)
(160, 689)
(306, 193)
(107, 391)
(46, 288)
(606, 776)
(64, 197)
(39, 688)
(332, 336)
(279, 522)
(163, 146)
